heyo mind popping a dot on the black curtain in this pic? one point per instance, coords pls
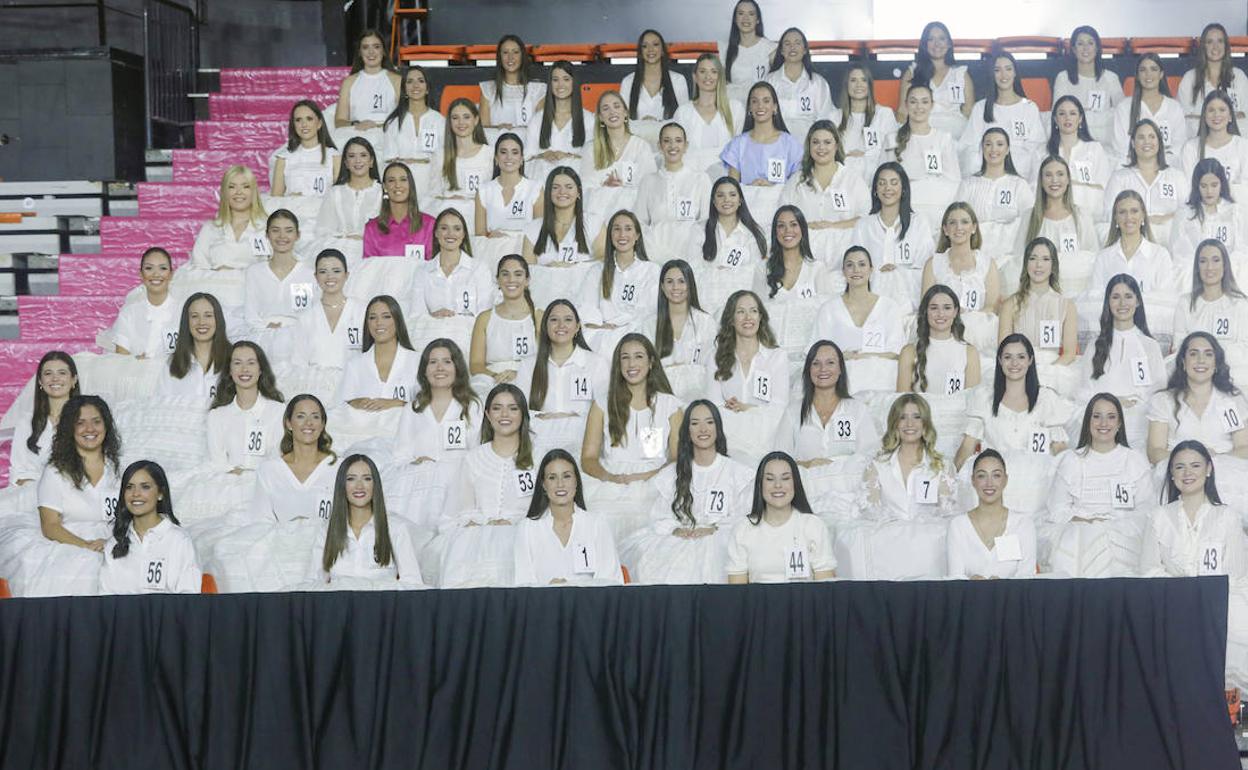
(1042, 674)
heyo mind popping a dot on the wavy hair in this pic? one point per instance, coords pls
(607, 282)
(808, 163)
(1177, 384)
(682, 502)
(1021, 296)
(892, 435)
(904, 132)
(461, 386)
(266, 385)
(324, 442)
(924, 67)
(524, 452)
(604, 150)
(256, 213)
(65, 458)
(1171, 492)
(726, 337)
(124, 516)
(619, 395)
(923, 331)
(322, 135)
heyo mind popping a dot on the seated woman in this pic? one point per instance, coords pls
(453, 288)
(348, 206)
(564, 132)
(672, 203)
(1087, 162)
(1048, 320)
(1057, 217)
(559, 246)
(794, 283)
(927, 155)
(616, 292)
(780, 540)
(147, 327)
(1213, 71)
(1021, 420)
(733, 245)
(1216, 306)
(829, 193)
(866, 126)
(683, 333)
(748, 377)
(559, 542)
(466, 161)
(831, 434)
(990, 540)
(489, 494)
(302, 170)
(370, 92)
(747, 52)
(699, 499)
(867, 326)
(200, 353)
(1101, 491)
(1211, 213)
(1218, 138)
(77, 501)
(999, 194)
(415, 132)
(1087, 80)
(148, 551)
(1161, 185)
(764, 155)
(712, 116)
(506, 204)
(1007, 107)
(509, 100)
(907, 495)
(56, 381)
(1193, 533)
(653, 89)
(561, 380)
(804, 95)
(506, 334)
(940, 364)
(328, 333)
(1125, 359)
(400, 229)
(961, 264)
(278, 291)
(229, 244)
(630, 434)
(898, 238)
(613, 172)
(381, 377)
(359, 549)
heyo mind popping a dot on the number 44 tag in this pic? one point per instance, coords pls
(795, 566)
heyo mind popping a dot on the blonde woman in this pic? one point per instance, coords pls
(233, 241)
(612, 173)
(1058, 217)
(961, 264)
(1040, 312)
(710, 118)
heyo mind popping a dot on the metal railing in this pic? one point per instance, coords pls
(170, 63)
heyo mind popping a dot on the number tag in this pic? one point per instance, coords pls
(932, 163)
(518, 209)
(379, 101)
(806, 292)
(428, 140)
(1166, 191)
(1005, 199)
(324, 508)
(1140, 375)
(260, 246)
(628, 294)
(1222, 327)
(1039, 443)
(805, 105)
(1232, 420)
(760, 388)
(840, 201)
(583, 561)
(522, 481)
(628, 173)
(1222, 233)
(1018, 129)
(171, 341)
(953, 383)
(300, 296)
(455, 435)
(110, 508)
(733, 257)
(255, 442)
(843, 429)
(474, 182)
(971, 298)
(1069, 244)
(902, 254)
(870, 138)
(957, 94)
(697, 355)
(399, 392)
(354, 338)
(310, 182)
(925, 489)
(414, 251)
(582, 388)
(775, 170)
(521, 346)
(760, 71)
(567, 253)
(467, 302)
(1097, 101)
(716, 503)
(1082, 171)
(524, 112)
(1210, 560)
(1007, 548)
(795, 566)
(652, 443)
(872, 339)
(154, 579)
(1122, 496)
(1050, 335)
(685, 210)
(1164, 128)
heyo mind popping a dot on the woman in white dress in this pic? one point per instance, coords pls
(1086, 79)
(1020, 419)
(615, 295)
(560, 246)
(354, 199)
(928, 156)
(1150, 100)
(1214, 71)
(653, 89)
(866, 127)
(304, 168)
(1211, 213)
(991, 541)
(1041, 313)
(734, 247)
(794, 283)
(1058, 217)
(1101, 492)
(278, 290)
(804, 94)
(961, 264)
(200, 354)
(327, 334)
(950, 83)
(907, 495)
(58, 553)
(509, 101)
(831, 434)
(898, 238)
(672, 203)
(465, 163)
(359, 548)
(867, 326)
(489, 495)
(1008, 108)
(613, 171)
(764, 155)
(999, 196)
(699, 499)
(56, 381)
(449, 291)
(378, 379)
(565, 130)
(560, 381)
(683, 334)
(229, 244)
(711, 118)
(747, 52)
(370, 92)
(780, 540)
(570, 545)
(148, 551)
(1131, 249)
(1216, 306)
(630, 434)
(505, 335)
(147, 327)
(1087, 161)
(1193, 533)
(1162, 185)
(831, 195)
(940, 364)
(415, 132)
(1218, 137)
(506, 204)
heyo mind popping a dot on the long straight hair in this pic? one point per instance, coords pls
(734, 37)
(465, 246)
(726, 337)
(64, 457)
(266, 385)
(904, 131)
(607, 283)
(403, 109)
(184, 349)
(344, 173)
(723, 104)
(904, 211)
(358, 63)
(507, 137)
(1021, 296)
(546, 233)
(385, 215)
(526, 62)
(666, 91)
(1202, 133)
(541, 378)
(400, 325)
(547, 126)
(1171, 492)
(43, 405)
(924, 68)
(339, 513)
(619, 396)
(524, 452)
(808, 385)
(759, 506)
(450, 147)
(1226, 70)
(775, 258)
(324, 442)
(1072, 65)
(710, 238)
(777, 120)
(1009, 158)
(1229, 286)
(1054, 145)
(943, 244)
(777, 59)
(1100, 349)
(682, 502)
(604, 150)
(1036, 221)
(664, 336)
(323, 136)
(124, 517)
(540, 501)
(923, 331)
(1203, 167)
(1031, 381)
(461, 386)
(1137, 95)
(1085, 430)
(996, 92)
(868, 115)
(1115, 232)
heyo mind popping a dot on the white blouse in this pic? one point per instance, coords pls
(997, 200)
(870, 139)
(509, 215)
(1225, 224)
(418, 139)
(146, 329)
(1170, 122)
(345, 211)
(566, 250)
(217, 248)
(25, 465)
(197, 384)
(590, 554)
(318, 345)
(1226, 318)
(674, 196)
(1099, 97)
(1010, 431)
(1224, 416)
(282, 497)
(1013, 553)
(634, 164)
(929, 156)
(242, 438)
(649, 106)
(883, 330)
(845, 197)
(1233, 156)
(1211, 543)
(645, 441)
(80, 508)
(707, 139)
(570, 386)
(803, 101)
(971, 285)
(162, 561)
(305, 172)
(925, 493)
(850, 431)
(795, 550)
(1192, 106)
(560, 139)
(750, 66)
(357, 559)
(422, 434)
(487, 487)
(518, 104)
(1021, 123)
(468, 290)
(634, 290)
(1096, 485)
(765, 384)
(360, 378)
(1090, 167)
(1134, 367)
(695, 344)
(910, 253)
(372, 96)
(267, 298)
(1166, 195)
(1071, 235)
(1150, 267)
(722, 495)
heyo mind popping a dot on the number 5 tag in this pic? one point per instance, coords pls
(1140, 375)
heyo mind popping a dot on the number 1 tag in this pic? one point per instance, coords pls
(1122, 496)
(154, 579)
(260, 246)
(455, 435)
(685, 210)
(414, 251)
(1049, 337)
(523, 483)
(795, 566)
(1008, 548)
(761, 388)
(1210, 560)
(925, 489)
(651, 443)
(775, 170)
(300, 296)
(255, 442)
(583, 561)
(1140, 376)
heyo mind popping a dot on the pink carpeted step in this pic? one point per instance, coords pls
(131, 236)
(240, 134)
(5, 451)
(54, 317)
(96, 275)
(208, 166)
(177, 199)
(261, 106)
(300, 82)
(21, 357)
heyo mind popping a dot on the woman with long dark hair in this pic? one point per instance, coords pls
(509, 101)
(56, 381)
(734, 246)
(245, 422)
(400, 228)
(383, 374)
(506, 334)
(353, 200)
(805, 96)
(867, 127)
(1214, 71)
(1200, 402)
(415, 132)
(565, 130)
(792, 273)
(330, 333)
(1049, 321)
(452, 289)
(654, 89)
(950, 83)
(148, 328)
(999, 195)
(1150, 100)
(200, 352)
(961, 264)
(467, 161)
(617, 291)
(1007, 107)
(1088, 163)
(1093, 85)
(371, 92)
(148, 552)
(672, 204)
(1161, 184)
(898, 238)
(747, 52)
(682, 332)
(830, 194)
(1218, 137)
(561, 380)
(308, 163)
(1211, 212)
(506, 204)
(764, 155)
(1130, 250)
(1216, 305)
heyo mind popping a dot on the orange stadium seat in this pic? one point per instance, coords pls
(401, 13)
(208, 585)
(691, 51)
(848, 48)
(1162, 45)
(627, 578)
(451, 54)
(981, 46)
(565, 52)
(591, 92)
(888, 93)
(1039, 91)
(612, 51)
(1238, 44)
(4, 589)
(484, 51)
(891, 46)
(451, 93)
(1051, 46)
(1115, 46)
